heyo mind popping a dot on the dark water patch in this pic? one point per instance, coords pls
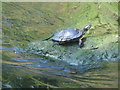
(56, 73)
(63, 75)
(48, 68)
(96, 82)
(40, 65)
(6, 22)
(34, 60)
(92, 79)
(28, 60)
(2, 41)
(16, 66)
(52, 72)
(0, 29)
(41, 60)
(36, 63)
(6, 48)
(20, 60)
(6, 86)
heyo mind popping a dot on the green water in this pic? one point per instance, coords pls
(27, 74)
(24, 23)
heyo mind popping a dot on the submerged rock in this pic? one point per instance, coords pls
(94, 51)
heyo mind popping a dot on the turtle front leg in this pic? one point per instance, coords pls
(80, 42)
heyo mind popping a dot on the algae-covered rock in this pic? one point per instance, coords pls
(94, 51)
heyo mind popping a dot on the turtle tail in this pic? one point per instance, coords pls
(48, 38)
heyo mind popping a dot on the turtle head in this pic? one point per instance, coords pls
(86, 28)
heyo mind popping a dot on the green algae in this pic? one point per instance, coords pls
(29, 23)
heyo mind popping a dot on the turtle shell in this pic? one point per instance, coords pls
(67, 35)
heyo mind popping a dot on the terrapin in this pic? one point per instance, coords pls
(69, 35)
